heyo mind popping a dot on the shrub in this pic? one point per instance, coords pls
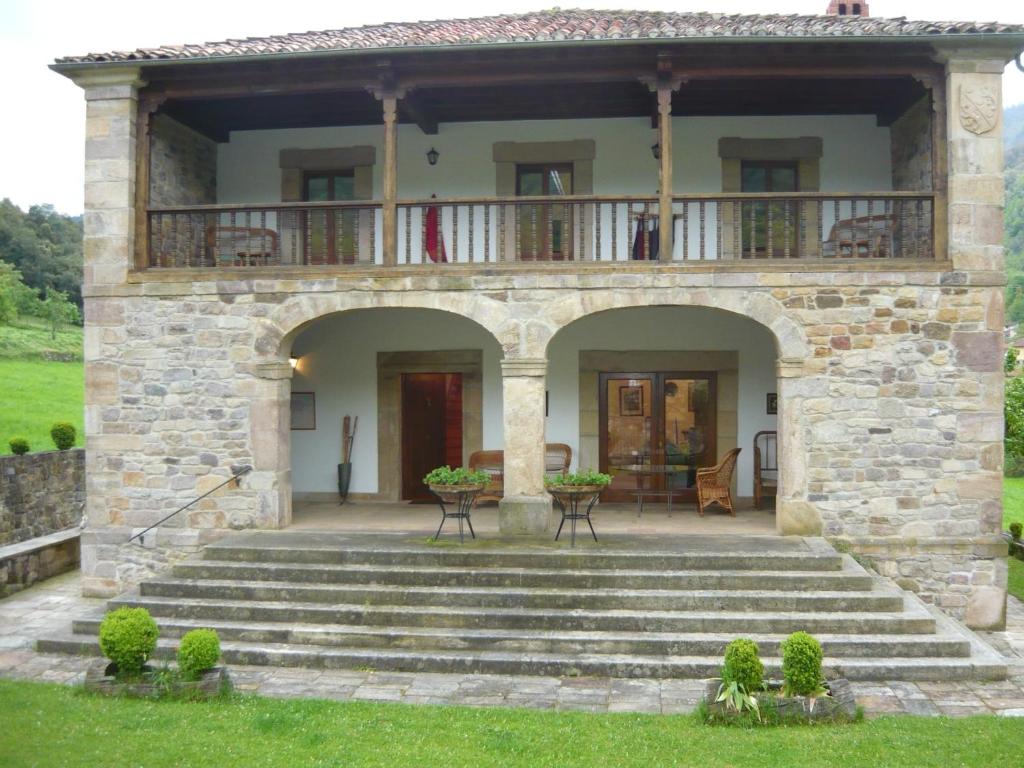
(63, 435)
(742, 665)
(801, 665)
(198, 652)
(585, 477)
(1015, 529)
(460, 476)
(19, 445)
(128, 637)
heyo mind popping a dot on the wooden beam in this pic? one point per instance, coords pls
(389, 210)
(147, 107)
(666, 226)
(420, 113)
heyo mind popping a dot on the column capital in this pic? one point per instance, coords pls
(275, 370)
(113, 83)
(789, 367)
(524, 366)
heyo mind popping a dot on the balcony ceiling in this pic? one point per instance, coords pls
(461, 88)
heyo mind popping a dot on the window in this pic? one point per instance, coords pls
(774, 222)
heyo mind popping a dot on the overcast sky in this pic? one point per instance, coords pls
(42, 133)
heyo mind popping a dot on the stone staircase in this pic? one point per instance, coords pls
(626, 607)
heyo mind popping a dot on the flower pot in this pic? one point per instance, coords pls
(838, 705)
(450, 493)
(576, 488)
(101, 678)
(344, 477)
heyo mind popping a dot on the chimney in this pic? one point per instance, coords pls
(847, 8)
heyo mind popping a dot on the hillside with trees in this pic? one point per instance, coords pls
(1014, 153)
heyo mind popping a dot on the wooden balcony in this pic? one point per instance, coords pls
(533, 231)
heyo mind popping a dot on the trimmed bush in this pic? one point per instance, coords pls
(743, 665)
(128, 637)
(199, 651)
(63, 435)
(1015, 528)
(801, 664)
(19, 446)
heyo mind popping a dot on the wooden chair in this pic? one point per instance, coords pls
(557, 459)
(766, 465)
(713, 484)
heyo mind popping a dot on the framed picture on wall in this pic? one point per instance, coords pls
(773, 403)
(631, 401)
(303, 410)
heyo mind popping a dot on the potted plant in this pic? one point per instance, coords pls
(448, 483)
(128, 638)
(803, 695)
(587, 481)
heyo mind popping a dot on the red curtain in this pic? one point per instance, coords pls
(435, 242)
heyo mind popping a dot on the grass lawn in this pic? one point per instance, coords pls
(35, 394)
(51, 725)
(1015, 580)
(1013, 500)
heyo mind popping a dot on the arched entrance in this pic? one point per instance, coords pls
(651, 394)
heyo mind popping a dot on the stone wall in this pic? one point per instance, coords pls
(40, 493)
(183, 169)
(911, 148)
(22, 565)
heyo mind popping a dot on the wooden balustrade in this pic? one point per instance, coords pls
(534, 230)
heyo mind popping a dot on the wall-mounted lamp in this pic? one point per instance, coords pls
(656, 151)
(432, 155)
(294, 361)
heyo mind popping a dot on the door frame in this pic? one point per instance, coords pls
(657, 416)
(544, 212)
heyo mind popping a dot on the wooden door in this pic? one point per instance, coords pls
(330, 236)
(431, 428)
(770, 228)
(654, 419)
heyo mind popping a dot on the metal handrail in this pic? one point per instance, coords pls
(233, 478)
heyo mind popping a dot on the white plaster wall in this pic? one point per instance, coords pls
(338, 361)
(667, 328)
(856, 154)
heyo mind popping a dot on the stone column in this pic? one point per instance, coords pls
(108, 242)
(667, 226)
(526, 507)
(794, 514)
(270, 433)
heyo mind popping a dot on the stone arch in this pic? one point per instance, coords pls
(286, 322)
(790, 342)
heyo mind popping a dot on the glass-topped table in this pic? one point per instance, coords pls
(645, 474)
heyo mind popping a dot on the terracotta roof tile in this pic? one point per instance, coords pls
(557, 25)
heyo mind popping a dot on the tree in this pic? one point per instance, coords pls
(1010, 362)
(58, 311)
(16, 298)
(45, 246)
(1013, 414)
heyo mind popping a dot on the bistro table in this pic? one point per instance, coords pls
(462, 498)
(569, 500)
(645, 473)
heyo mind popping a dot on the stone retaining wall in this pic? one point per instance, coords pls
(40, 493)
(22, 565)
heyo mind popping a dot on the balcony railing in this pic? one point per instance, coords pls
(535, 230)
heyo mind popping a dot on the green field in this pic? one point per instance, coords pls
(1013, 500)
(30, 339)
(53, 726)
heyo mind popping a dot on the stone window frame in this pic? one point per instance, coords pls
(579, 153)
(805, 151)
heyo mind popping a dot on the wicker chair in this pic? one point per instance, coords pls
(713, 484)
(557, 458)
(766, 466)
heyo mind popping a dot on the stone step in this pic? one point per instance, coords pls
(528, 597)
(904, 621)
(547, 641)
(444, 555)
(549, 664)
(851, 578)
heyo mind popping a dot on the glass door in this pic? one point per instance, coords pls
(656, 430)
(330, 235)
(771, 227)
(545, 230)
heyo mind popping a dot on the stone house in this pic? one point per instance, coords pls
(455, 230)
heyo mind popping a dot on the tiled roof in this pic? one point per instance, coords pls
(557, 26)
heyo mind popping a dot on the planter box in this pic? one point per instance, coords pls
(839, 705)
(100, 679)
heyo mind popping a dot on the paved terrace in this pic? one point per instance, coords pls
(49, 607)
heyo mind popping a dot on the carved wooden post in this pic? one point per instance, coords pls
(667, 225)
(148, 105)
(389, 99)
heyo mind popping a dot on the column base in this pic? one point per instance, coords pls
(524, 515)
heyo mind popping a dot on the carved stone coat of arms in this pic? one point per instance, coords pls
(979, 108)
